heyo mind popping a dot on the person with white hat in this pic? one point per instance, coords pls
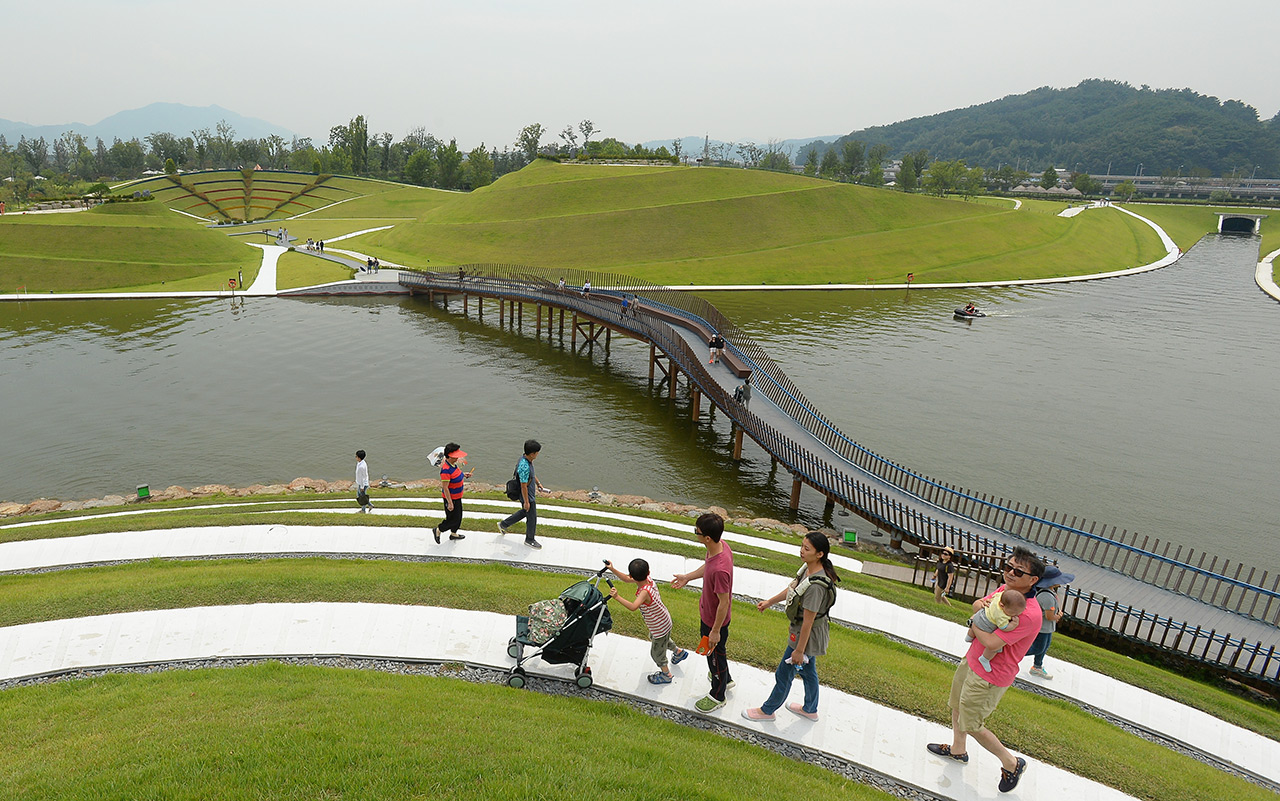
(1046, 594)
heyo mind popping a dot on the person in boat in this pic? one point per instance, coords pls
(970, 309)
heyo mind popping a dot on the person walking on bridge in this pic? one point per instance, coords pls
(975, 693)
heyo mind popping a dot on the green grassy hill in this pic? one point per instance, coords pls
(741, 226)
(116, 246)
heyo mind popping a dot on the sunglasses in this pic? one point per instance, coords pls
(1016, 571)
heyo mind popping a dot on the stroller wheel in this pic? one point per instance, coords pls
(584, 678)
(514, 648)
(516, 678)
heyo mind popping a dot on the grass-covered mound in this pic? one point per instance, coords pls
(682, 225)
(287, 732)
(239, 195)
(116, 247)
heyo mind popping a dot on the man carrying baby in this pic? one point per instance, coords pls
(975, 692)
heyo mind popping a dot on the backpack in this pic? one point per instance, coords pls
(513, 485)
(795, 607)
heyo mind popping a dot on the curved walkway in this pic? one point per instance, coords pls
(1225, 742)
(1264, 275)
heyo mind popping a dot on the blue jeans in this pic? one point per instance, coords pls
(1039, 646)
(783, 677)
(530, 516)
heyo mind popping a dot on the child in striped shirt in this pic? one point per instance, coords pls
(656, 617)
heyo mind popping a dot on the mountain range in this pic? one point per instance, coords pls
(174, 118)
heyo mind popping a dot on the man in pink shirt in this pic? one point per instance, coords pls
(715, 606)
(975, 693)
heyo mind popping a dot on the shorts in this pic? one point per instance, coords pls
(974, 697)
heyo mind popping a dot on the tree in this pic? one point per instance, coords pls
(358, 144)
(777, 156)
(907, 173)
(529, 139)
(854, 157)
(479, 168)
(570, 138)
(170, 168)
(751, 153)
(974, 182)
(675, 148)
(830, 163)
(1049, 179)
(1087, 184)
(1125, 190)
(449, 165)
(875, 164)
(35, 152)
(920, 159)
(945, 176)
(811, 162)
(588, 129)
(420, 168)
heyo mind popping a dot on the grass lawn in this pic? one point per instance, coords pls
(1186, 224)
(296, 270)
(299, 732)
(116, 247)
(868, 665)
(749, 227)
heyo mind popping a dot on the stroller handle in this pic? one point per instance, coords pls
(600, 574)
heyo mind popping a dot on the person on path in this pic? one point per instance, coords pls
(1001, 613)
(451, 485)
(714, 606)
(810, 596)
(586, 288)
(656, 617)
(362, 483)
(1046, 594)
(975, 694)
(716, 345)
(529, 486)
(944, 580)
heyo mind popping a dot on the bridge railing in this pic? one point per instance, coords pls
(827, 478)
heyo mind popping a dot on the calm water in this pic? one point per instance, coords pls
(1144, 402)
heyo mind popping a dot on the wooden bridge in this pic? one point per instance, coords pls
(1217, 617)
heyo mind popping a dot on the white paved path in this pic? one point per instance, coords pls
(881, 739)
(1225, 741)
(1265, 275)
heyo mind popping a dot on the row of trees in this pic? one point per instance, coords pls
(529, 142)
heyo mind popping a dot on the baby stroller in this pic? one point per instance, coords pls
(561, 630)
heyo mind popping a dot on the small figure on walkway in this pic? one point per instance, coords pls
(461, 275)
(451, 486)
(944, 579)
(586, 288)
(810, 596)
(716, 345)
(560, 286)
(975, 694)
(362, 483)
(626, 304)
(715, 606)
(1046, 594)
(656, 616)
(377, 264)
(529, 486)
(322, 246)
(1002, 614)
(368, 265)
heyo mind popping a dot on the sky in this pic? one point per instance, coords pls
(736, 70)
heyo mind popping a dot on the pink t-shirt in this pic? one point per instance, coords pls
(718, 578)
(1004, 665)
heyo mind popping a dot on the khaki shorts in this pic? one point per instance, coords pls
(974, 697)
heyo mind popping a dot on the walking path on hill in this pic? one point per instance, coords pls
(880, 739)
(1265, 275)
(1223, 742)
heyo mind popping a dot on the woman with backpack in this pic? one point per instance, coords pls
(810, 596)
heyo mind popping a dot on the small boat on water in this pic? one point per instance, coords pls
(969, 312)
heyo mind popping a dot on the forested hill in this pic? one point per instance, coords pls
(1095, 124)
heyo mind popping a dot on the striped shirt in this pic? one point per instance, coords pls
(452, 474)
(655, 613)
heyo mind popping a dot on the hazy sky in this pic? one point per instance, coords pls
(734, 69)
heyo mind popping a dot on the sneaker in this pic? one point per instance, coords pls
(799, 710)
(1009, 779)
(659, 678)
(728, 686)
(435, 532)
(1040, 673)
(502, 529)
(757, 714)
(456, 536)
(679, 656)
(706, 704)
(533, 543)
(944, 750)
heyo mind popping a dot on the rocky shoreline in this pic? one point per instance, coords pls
(346, 486)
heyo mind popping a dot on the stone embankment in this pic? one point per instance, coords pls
(316, 485)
